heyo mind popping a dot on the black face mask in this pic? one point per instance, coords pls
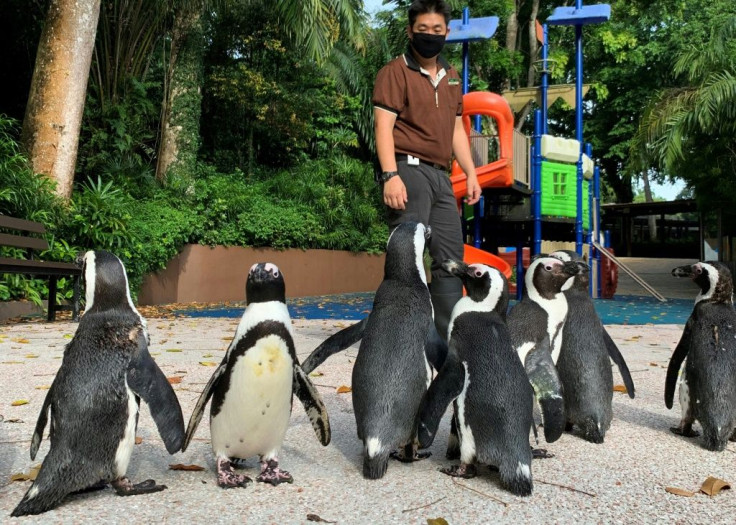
(428, 45)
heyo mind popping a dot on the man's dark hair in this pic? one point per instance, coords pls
(422, 7)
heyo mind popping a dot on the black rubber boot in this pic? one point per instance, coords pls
(445, 292)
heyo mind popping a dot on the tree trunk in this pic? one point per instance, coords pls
(620, 184)
(512, 30)
(182, 106)
(648, 198)
(53, 116)
(533, 47)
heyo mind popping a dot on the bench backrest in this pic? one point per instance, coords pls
(22, 241)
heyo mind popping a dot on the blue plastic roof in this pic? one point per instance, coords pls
(476, 29)
(589, 14)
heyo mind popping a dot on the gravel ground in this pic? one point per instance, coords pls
(622, 480)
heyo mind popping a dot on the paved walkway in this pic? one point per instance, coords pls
(658, 274)
(623, 480)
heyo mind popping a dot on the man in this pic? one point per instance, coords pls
(417, 101)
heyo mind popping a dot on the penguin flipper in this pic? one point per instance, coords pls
(147, 380)
(41, 423)
(435, 348)
(542, 373)
(204, 397)
(312, 401)
(337, 342)
(678, 356)
(615, 354)
(442, 391)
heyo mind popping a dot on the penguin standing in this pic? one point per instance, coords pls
(493, 399)
(536, 326)
(708, 345)
(391, 372)
(252, 388)
(583, 364)
(107, 361)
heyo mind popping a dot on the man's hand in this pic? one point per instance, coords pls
(394, 193)
(473, 194)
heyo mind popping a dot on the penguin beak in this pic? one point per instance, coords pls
(683, 271)
(457, 268)
(582, 267)
(570, 268)
(79, 260)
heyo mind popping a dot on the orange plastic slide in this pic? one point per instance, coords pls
(499, 173)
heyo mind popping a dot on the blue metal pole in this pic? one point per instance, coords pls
(579, 129)
(466, 54)
(545, 78)
(519, 268)
(597, 191)
(537, 182)
(589, 234)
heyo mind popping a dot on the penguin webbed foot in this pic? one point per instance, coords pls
(409, 454)
(125, 487)
(271, 473)
(685, 430)
(227, 479)
(463, 470)
(541, 453)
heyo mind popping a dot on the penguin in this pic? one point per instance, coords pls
(252, 388)
(391, 371)
(535, 324)
(708, 347)
(483, 376)
(107, 361)
(583, 364)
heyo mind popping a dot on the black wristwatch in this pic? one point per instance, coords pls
(387, 175)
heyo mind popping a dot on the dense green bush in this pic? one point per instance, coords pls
(330, 203)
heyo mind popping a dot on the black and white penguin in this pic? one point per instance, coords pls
(583, 364)
(493, 399)
(391, 372)
(107, 361)
(708, 345)
(252, 388)
(536, 324)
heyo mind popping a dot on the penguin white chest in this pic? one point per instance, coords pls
(125, 447)
(255, 410)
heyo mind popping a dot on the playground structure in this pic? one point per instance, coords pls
(546, 188)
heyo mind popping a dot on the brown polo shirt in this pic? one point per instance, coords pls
(425, 114)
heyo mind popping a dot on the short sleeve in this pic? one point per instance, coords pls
(389, 91)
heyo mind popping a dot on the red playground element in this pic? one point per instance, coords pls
(499, 173)
(609, 276)
(474, 255)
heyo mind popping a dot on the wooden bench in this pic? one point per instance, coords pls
(25, 239)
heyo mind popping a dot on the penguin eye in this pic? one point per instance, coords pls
(698, 270)
(276, 273)
(478, 273)
(548, 267)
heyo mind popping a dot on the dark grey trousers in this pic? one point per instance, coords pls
(431, 202)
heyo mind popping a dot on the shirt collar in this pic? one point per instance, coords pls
(413, 64)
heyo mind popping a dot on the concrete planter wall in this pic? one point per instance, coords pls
(217, 274)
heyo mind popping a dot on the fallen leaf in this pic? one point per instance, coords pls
(207, 355)
(174, 380)
(179, 466)
(315, 517)
(138, 440)
(43, 387)
(226, 338)
(174, 350)
(344, 389)
(316, 374)
(13, 362)
(19, 402)
(22, 340)
(680, 492)
(653, 364)
(437, 521)
(207, 363)
(619, 388)
(31, 476)
(712, 486)
(14, 420)
(162, 341)
(31, 356)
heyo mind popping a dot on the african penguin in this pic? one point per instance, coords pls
(493, 399)
(107, 360)
(391, 372)
(535, 324)
(708, 347)
(584, 362)
(252, 388)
